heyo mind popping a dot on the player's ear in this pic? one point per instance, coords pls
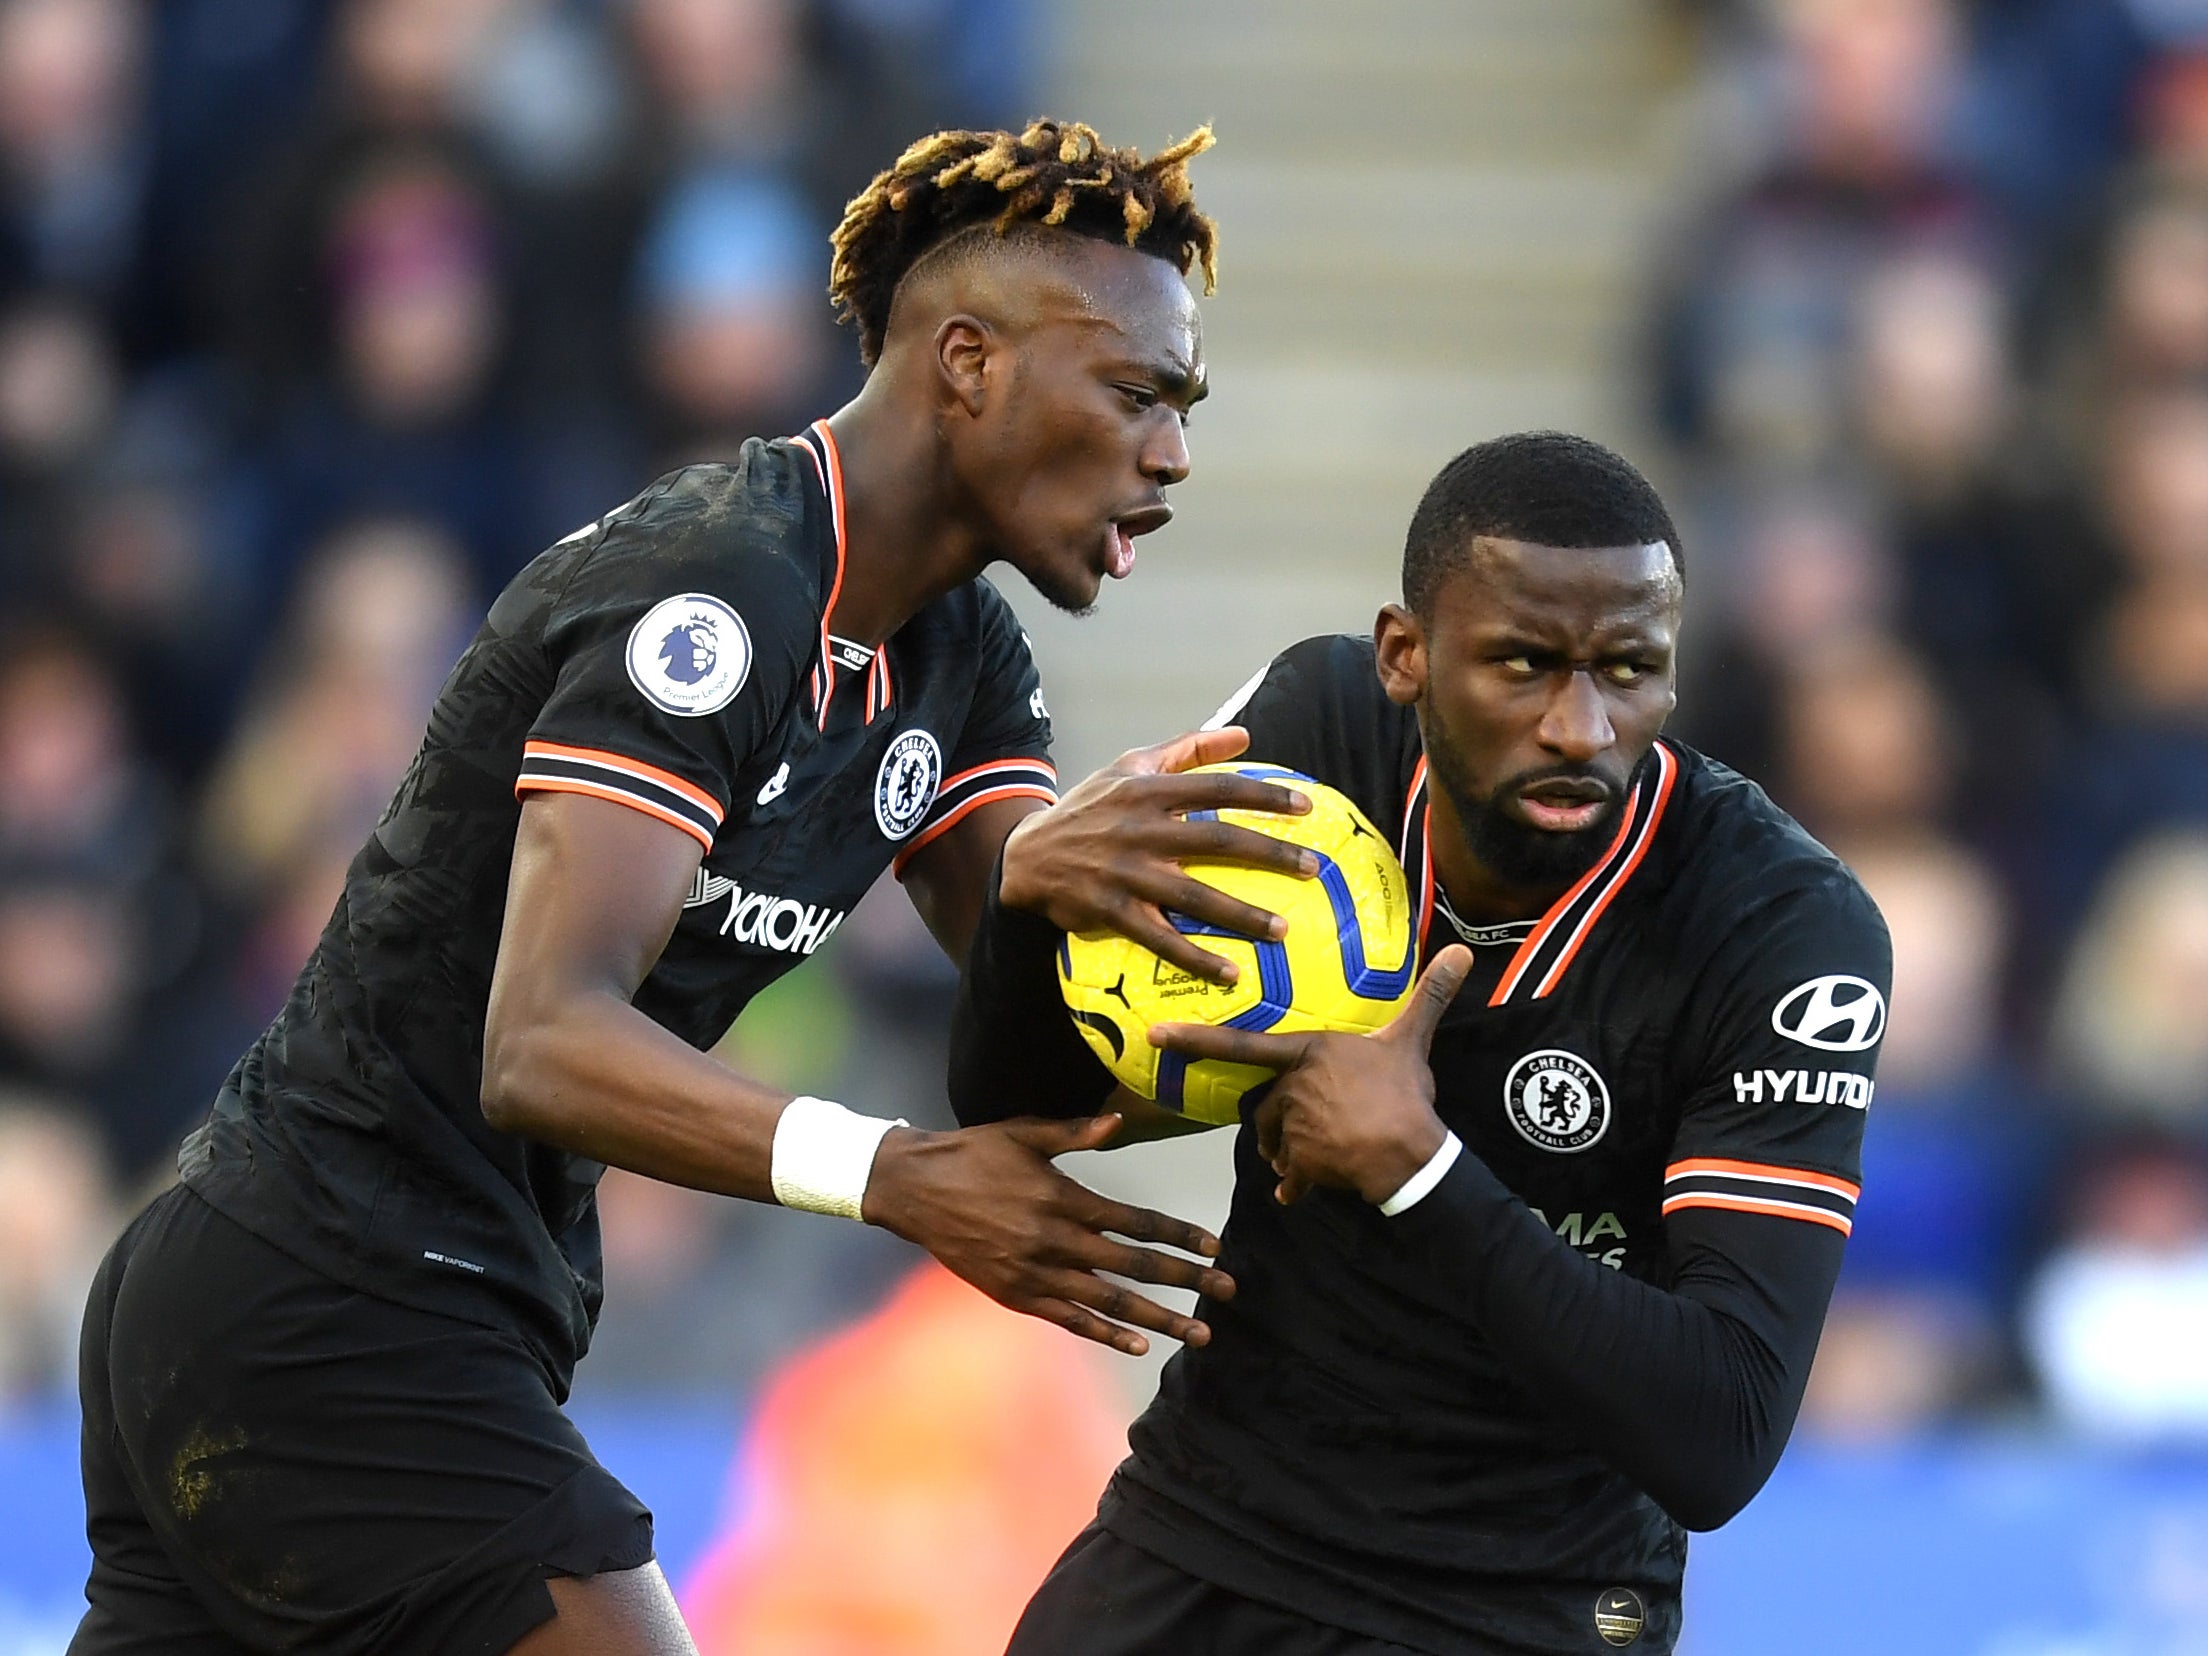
(1399, 642)
(964, 347)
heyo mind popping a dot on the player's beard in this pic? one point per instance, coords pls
(1058, 590)
(1513, 850)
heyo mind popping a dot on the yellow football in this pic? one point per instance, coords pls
(1346, 963)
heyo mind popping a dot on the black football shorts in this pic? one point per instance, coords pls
(1107, 1597)
(275, 1462)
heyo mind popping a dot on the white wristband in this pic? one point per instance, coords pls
(823, 1156)
(1416, 1188)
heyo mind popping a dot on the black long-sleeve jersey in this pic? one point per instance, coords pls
(1484, 1424)
(677, 657)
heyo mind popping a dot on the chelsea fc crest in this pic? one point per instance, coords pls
(905, 786)
(1556, 1100)
(689, 655)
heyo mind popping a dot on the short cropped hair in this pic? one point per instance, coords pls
(1546, 487)
(1055, 175)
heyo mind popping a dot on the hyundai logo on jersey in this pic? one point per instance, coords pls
(1832, 1014)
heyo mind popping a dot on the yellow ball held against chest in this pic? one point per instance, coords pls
(1346, 963)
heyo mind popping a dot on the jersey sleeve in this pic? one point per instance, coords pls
(1003, 749)
(1794, 1010)
(673, 657)
(1289, 707)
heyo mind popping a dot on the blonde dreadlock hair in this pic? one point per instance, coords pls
(1056, 173)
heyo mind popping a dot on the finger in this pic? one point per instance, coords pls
(1195, 900)
(1123, 1305)
(1437, 987)
(1098, 1253)
(1140, 1224)
(1206, 839)
(1150, 928)
(1199, 747)
(1218, 790)
(1058, 1138)
(1232, 1046)
(1075, 1319)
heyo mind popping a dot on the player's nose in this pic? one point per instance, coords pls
(1576, 723)
(1165, 449)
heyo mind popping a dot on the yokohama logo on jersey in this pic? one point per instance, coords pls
(780, 923)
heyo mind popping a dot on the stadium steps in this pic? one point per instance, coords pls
(1433, 217)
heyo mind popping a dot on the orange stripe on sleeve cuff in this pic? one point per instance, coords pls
(1763, 1170)
(597, 790)
(944, 824)
(537, 749)
(1753, 1204)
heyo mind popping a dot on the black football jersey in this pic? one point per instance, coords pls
(678, 657)
(1691, 1026)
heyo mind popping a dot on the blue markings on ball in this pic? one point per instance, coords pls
(1275, 983)
(1361, 975)
(1276, 988)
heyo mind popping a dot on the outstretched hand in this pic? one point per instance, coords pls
(1355, 1111)
(1108, 856)
(987, 1202)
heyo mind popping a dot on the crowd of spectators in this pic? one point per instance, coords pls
(1931, 353)
(318, 318)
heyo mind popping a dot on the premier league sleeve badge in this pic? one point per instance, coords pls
(689, 655)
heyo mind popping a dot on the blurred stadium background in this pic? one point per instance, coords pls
(318, 319)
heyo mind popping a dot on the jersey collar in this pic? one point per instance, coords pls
(819, 443)
(1541, 960)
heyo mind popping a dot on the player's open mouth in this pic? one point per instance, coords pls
(1119, 555)
(1120, 533)
(1564, 807)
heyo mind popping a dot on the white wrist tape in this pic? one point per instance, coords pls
(1419, 1184)
(823, 1155)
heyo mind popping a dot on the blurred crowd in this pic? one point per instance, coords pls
(318, 318)
(1930, 348)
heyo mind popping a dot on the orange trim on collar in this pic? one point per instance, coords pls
(828, 461)
(1608, 873)
(1426, 852)
(1668, 772)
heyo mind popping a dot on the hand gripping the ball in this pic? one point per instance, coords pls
(1353, 1111)
(1109, 855)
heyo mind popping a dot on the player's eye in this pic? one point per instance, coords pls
(1141, 397)
(1517, 666)
(1626, 672)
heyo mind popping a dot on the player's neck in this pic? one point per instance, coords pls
(904, 544)
(1476, 893)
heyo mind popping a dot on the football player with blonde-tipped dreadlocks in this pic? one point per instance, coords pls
(1050, 176)
(322, 1376)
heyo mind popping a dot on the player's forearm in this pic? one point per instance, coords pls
(1688, 1391)
(597, 1078)
(1014, 1051)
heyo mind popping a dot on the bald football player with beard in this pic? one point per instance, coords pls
(1530, 1282)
